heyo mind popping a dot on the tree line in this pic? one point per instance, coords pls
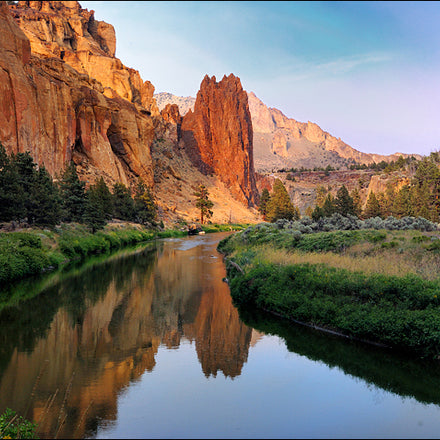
(419, 197)
(29, 194)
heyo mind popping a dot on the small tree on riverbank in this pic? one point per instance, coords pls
(203, 203)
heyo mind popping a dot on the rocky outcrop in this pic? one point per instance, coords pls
(66, 31)
(281, 142)
(217, 136)
(171, 116)
(185, 103)
(60, 114)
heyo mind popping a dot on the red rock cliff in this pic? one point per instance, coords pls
(218, 136)
(58, 113)
(64, 30)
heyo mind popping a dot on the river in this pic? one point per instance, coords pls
(147, 344)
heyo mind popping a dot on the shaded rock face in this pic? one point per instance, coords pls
(171, 116)
(60, 114)
(217, 136)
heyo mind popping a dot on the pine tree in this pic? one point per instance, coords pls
(422, 200)
(94, 214)
(309, 211)
(321, 194)
(45, 200)
(203, 203)
(73, 194)
(264, 199)
(11, 193)
(343, 202)
(328, 208)
(372, 208)
(105, 196)
(280, 206)
(402, 204)
(357, 205)
(123, 203)
(23, 169)
(144, 204)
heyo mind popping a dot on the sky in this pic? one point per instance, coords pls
(367, 72)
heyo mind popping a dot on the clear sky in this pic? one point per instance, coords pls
(367, 72)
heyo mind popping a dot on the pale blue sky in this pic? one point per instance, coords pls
(367, 72)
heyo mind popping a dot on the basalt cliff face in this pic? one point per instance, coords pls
(59, 112)
(218, 135)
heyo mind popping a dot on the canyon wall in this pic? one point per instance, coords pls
(218, 136)
(59, 114)
(65, 96)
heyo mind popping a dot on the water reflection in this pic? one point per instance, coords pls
(67, 354)
(379, 367)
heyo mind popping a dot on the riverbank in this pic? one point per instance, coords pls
(35, 251)
(381, 286)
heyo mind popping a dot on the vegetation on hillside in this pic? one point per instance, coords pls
(419, 196)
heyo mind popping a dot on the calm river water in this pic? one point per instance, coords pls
(147, 344)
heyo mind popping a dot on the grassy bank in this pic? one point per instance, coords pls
(377, 285)
(215, 227)
(23, 254)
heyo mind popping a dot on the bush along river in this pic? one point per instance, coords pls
(148, 344)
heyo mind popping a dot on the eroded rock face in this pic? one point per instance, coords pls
(57, 113)
(64, 30)
(217, 136)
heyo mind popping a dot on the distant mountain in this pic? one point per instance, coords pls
(184, 103)
(282, 142)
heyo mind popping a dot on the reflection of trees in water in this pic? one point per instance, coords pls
(100, 329)
(393, 372)
(63, 334)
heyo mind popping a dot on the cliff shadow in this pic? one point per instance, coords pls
(192, 149)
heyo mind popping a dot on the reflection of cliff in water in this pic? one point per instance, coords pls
(92, 334)
(393, 372)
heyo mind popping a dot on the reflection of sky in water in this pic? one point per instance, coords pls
(279, 394)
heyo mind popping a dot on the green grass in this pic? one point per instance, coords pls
(24, 254)
(215, 227)
(399, 311)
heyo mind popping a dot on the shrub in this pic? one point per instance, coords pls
(13, 426)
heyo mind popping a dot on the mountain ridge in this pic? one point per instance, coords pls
(283, 142)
